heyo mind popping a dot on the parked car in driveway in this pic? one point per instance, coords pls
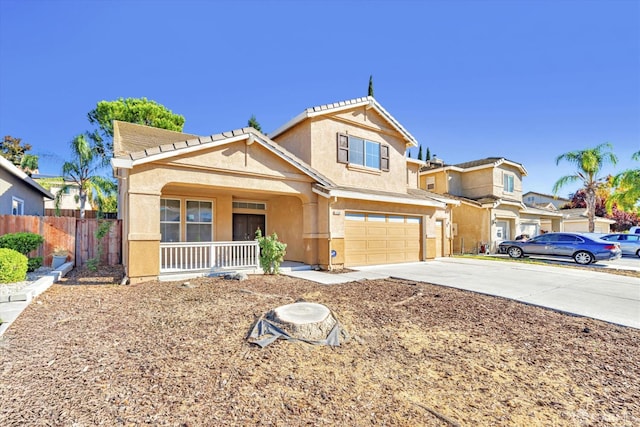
(629, 243)
(583, 249)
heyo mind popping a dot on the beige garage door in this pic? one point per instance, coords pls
(381, 239)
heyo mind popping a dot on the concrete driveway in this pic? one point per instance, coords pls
(604, 296)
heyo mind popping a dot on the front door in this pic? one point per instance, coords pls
(245, 226)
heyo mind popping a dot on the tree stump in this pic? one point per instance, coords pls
(304, 320)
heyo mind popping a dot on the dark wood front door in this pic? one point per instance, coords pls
(245, 226)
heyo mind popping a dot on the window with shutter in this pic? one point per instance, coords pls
(358, 151)
(343, 148)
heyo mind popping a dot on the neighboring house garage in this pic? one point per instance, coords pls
(372, 238)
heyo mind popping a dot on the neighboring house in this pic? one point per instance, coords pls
(70, 199)
(491, 208)
(577, 221)
(333, 183)
(531, 198)
(19, 193)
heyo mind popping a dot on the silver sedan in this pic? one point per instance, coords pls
(629, 243)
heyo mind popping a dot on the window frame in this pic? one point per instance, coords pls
(188, 222)
(506, 180)
(178, 222)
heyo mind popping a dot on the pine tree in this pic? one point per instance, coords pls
(370, 91)
(428, 154)
(253, 122)
(420, 153)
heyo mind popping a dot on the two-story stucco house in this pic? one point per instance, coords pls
(491, 208)
(19, 194)
(333, 183)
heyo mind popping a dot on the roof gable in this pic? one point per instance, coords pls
(368, 102)
(16, 171)
(181, 147)
(488, 162)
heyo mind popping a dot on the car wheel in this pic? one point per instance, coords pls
(514, 252)
(638, 253)
(583, 258)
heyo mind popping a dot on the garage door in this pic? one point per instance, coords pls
(381, 239)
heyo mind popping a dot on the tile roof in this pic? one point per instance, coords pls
(343, 105)
(414, 194)
(131, 137)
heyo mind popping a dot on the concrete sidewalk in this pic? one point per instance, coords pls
(10, 310)
(595, 294)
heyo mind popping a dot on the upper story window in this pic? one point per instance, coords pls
(358, 151)
(17, 206)
(508, 183)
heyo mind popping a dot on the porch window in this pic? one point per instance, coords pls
(169, 220)
(199, 221)
(508, 183)
(361, 152)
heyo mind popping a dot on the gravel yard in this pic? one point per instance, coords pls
(90, 352)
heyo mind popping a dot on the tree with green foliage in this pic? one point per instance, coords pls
(14, 150)
(428, 157)
(588, 165)
(420, 153)
(83, 172)
(626, 194)
(133, 110)
(272, 252)
(253, 123)
(370, 90)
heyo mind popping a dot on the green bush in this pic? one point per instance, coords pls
(23, 242)
(272, 252)
(13, 266)
(34, 263)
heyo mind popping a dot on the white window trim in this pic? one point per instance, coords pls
(187, 223)
(20, 205)
(508, 177)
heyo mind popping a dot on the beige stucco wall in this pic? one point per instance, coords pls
(444, 181)
(473, 227)
(322, 153)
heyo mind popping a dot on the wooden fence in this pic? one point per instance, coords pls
(77, 236)
(89, 214)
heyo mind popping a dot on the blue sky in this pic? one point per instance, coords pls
(525, 80)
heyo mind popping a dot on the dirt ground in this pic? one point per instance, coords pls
(89, 352)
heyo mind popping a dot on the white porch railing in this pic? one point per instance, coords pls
(193, 256)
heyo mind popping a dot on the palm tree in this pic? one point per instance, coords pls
(589, 163)
(627, 189)
(82, 172)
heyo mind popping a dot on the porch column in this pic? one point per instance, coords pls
(310, 232)
(143, 261)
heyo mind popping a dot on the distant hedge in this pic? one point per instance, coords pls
(22, 242)
(13, 266)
